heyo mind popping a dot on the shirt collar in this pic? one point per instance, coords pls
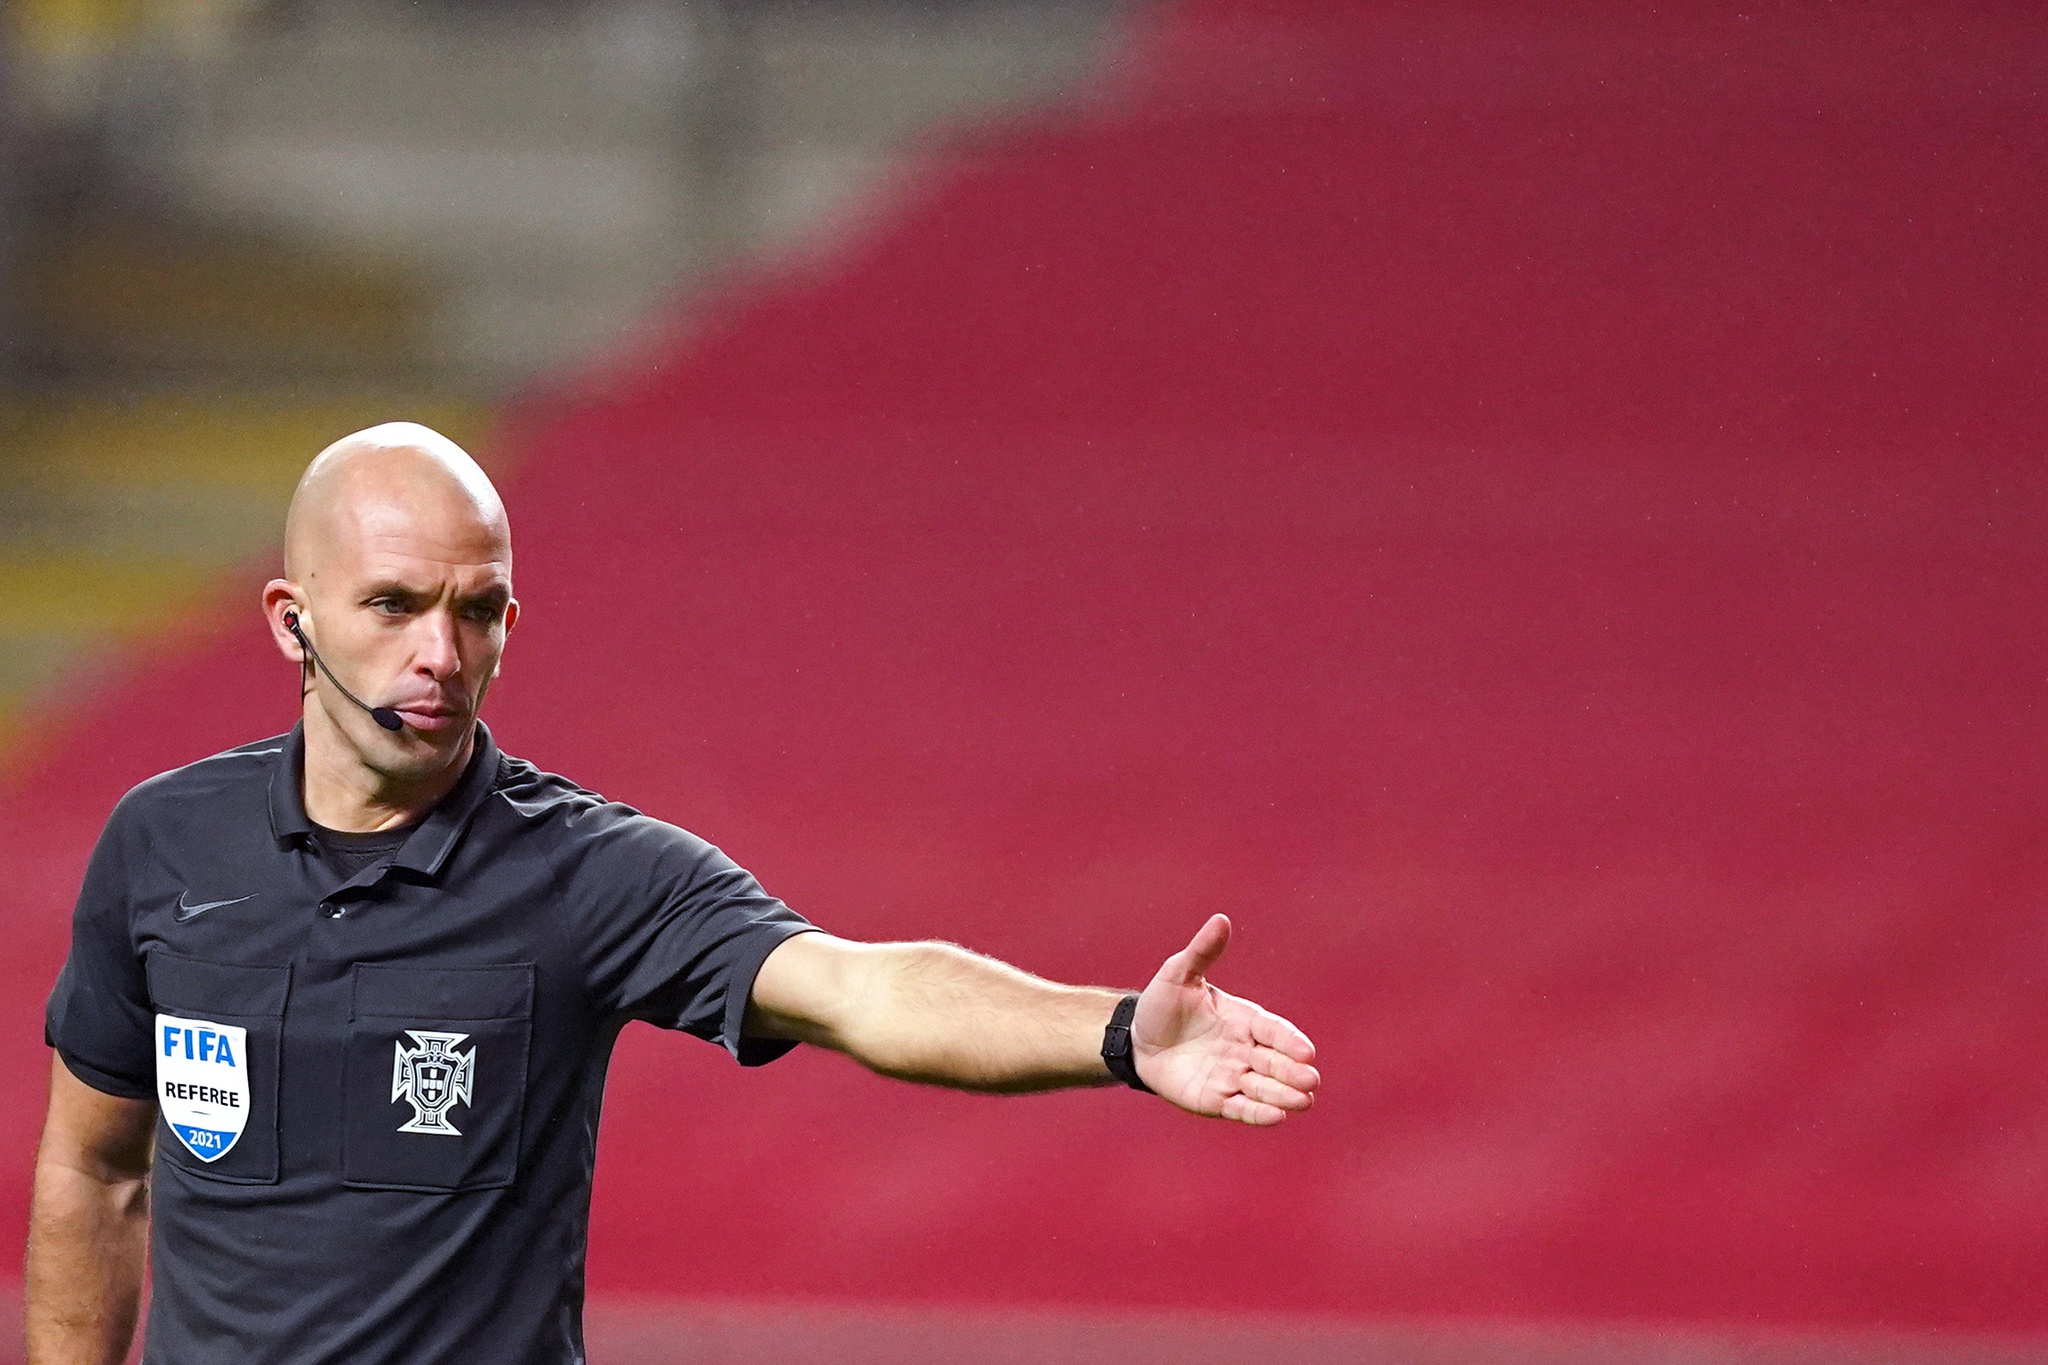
(431, 841)
(288, 819)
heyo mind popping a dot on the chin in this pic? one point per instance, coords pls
(411, 753)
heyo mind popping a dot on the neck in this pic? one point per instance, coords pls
(343, 792)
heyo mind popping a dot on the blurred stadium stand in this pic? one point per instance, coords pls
(236, 229)
(1539, 518)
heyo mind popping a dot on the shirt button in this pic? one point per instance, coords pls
(331, 910)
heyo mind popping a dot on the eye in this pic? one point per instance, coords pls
(387, 606)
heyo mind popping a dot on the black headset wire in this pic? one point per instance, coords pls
(383, 715)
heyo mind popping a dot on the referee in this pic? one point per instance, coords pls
(331, 1038)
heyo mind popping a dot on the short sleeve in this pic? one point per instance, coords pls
(682, 934)
(98, 1017)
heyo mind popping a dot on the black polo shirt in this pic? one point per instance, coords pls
(380, 1095)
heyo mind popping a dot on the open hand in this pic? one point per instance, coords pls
(1212, 1053)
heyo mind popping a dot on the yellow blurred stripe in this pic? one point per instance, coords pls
(45, 595)
(248, 442)
(44, 26)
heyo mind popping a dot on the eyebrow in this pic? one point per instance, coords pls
(498, 594)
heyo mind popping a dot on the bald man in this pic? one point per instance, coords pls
(331, 1038)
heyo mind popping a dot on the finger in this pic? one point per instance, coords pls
(1193, 962)
(1266, 1090)
(1270, 1030)
(1244, 1109)
(1284, 1069)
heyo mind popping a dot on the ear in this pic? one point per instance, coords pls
(511, 619)
(280, 598)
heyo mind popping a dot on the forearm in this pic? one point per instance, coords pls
(937, 1013)
(87, 1242)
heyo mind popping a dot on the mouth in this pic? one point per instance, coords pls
(429, 717)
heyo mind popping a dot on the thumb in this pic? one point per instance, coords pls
(1193, 962)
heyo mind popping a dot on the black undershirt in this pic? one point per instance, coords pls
(349, 853)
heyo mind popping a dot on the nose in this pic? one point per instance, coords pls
(435, 653)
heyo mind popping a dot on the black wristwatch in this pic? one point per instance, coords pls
(1116, 1045)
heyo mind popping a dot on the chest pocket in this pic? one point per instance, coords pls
(215, 1037)
(435, 1077)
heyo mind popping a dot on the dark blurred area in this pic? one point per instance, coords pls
(447, 192)
(232, 229)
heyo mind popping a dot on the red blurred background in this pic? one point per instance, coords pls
(1537, 515)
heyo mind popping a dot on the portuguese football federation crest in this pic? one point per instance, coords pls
(433, 1078)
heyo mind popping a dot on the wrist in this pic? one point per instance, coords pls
(1119, 1048)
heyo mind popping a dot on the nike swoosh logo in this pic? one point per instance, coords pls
(186, 912)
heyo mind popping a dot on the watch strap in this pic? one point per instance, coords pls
(1117, 1054)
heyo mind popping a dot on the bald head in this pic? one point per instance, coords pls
(385, 481)
(398, 569)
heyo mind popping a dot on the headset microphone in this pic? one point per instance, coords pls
(383, 715)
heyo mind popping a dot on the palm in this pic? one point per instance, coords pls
(1212, 1053)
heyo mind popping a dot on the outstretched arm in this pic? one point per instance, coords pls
(936, 1013)
(88, 1225)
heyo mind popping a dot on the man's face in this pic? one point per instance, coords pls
(409, 605)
